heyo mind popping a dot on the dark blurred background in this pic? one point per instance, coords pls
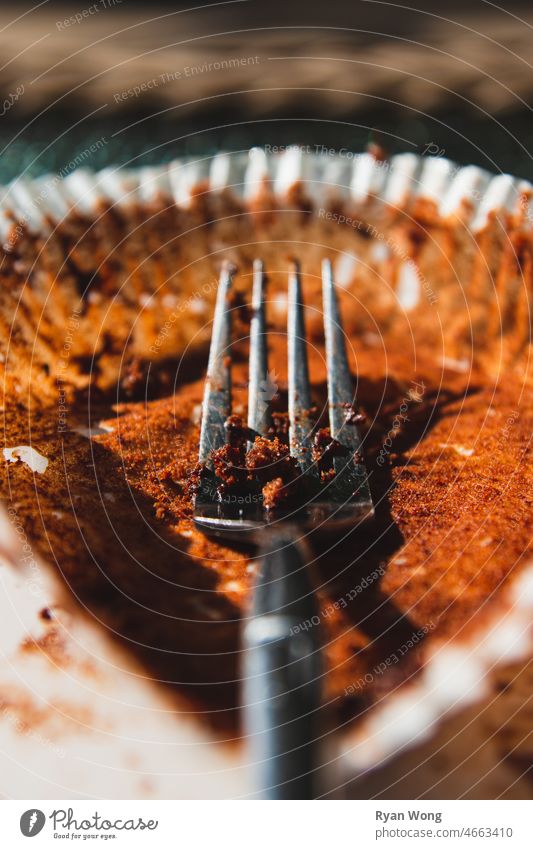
(111, 82)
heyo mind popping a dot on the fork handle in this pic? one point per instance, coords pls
(283, 673)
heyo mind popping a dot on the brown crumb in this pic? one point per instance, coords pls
(353, 416)
(236, 430)
(195, 476)
(274, 492)
(229, 466)
(176, 472)
(280, 425)
(133, 377)
(325, 448)
(377, 150)
(270, 458)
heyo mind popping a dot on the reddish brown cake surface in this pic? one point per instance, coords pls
(119, 335)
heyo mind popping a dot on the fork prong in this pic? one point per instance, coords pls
(340, 387)
(350, 470)
(259, 417)
(300, 420)
(216, 406)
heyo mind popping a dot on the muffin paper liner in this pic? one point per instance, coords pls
(455, 674)
(360, 178)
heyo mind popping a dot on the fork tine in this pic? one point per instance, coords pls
(216, 406)
(341, 398)
(300, 421)
(258, 408)
(340, 387)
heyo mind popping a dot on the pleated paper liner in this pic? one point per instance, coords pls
(102, 267)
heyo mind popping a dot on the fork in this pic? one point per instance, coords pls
(343, 501)
(282, 668)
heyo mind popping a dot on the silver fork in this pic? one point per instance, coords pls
(282, 669)
(345, 500)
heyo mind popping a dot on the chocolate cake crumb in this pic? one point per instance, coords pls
(175, 471)
(194, 481)
(280, 426)
(274, 493)
(325, 448)
(268, 464)
(377, 149)
(134, 376)
(353, 416)
(229, 467)
(236, 430)
(270, 458)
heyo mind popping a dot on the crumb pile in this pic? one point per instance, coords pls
(259, 470)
